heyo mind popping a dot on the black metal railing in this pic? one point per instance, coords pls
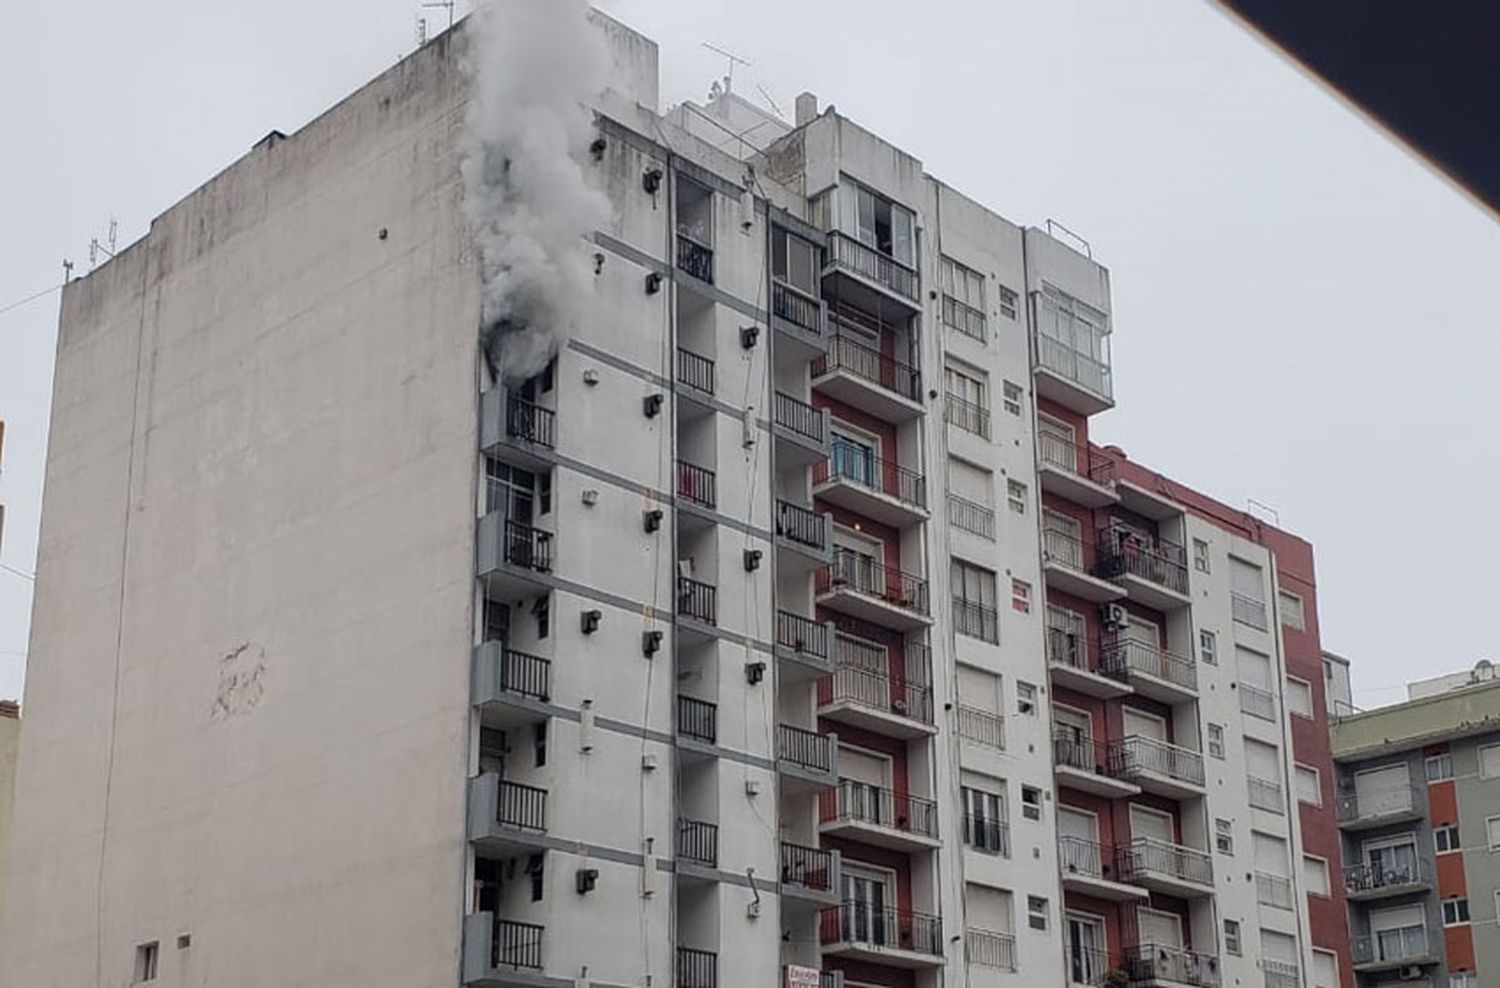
(798, 417)
(806, 867)
(1122, 552)
(1070, 648)
(1063, 548)
(527, 675)
(796, 307)
(1248, 610)
(986, 835)
(516, 945)
(1257, 701)
(852, 571)
(1087, 755)
(697, 968)
(698, 842)
(967, 415)
(1370, 878)
(695, 258)
(976, 620)
(873, 689)
(855, 466)
(1081, 368)
(1265, 794)
(528, 547)
(697, 600)
(1086, 857)
(860, 802)
(1149, 660)
(1153, 962)
(697, 719)
(805, 749)
(847, 354)
(980, 726)
(697, 484)
(521, 806)
(964, 318)
(695, 371)
(869, 263)
(801, 525)
(1143, 754)
(1146, 856)
(802, 635)
(989, 949)
(529, 421)
(887, 926)
(971, 516)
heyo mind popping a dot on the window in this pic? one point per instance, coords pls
(968, 405)
(963, 299)
(1036, 912)
(145, 961)
(539, 743)
(1216, 740)
(511, 491)
(974, 607)
(1299, 697)
(1309, 786)
(1020, 596)
(877, 222)
(1315, 875)
(1208, 648)
(1025, 698)
(1445, 839)
(1073, 340)
(1224, 837)
(1439, 767)
(794, 261)
(1247, 601)
(1031, 802)
(1012, 397)
(1016, 493)
(1492, 832)
(543, 614)
(1489, 761)
(1008, 299)
(534, 866)
(1232, 937)
(1200, 555)
(1455, 911)
(984, 817)
(1292, 615)
(1462, 979)
(1325, 969)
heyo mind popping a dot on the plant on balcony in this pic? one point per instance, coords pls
(1115, 978)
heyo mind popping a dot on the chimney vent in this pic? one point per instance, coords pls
(807, 109)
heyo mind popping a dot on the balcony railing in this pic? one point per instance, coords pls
(804, 748)
(1123, 553)
(516, 945)
(868, 364)
(698, 842)
(801, 525)
(1266, 794)
(697, 719)
(526, 675)
(1063, 454)
(1370, 878)
(695, 371)
(859, 573)
(1069, 648)
(855, 466)
(890, 927)
(697, 600)
(1248, 610)
(1089, 858)
(697, 968)
(1409, 943)
(1143, 754)
(874, 690)
(1384, 801)
(964, 318)
(869, 263)
(976, 620)
(695, 258)
(967, 415)
(802, 635)
(989, 949)
(522, 807)
(1148, 660)
(1281, 974)
(1273, 890)
(1063, 548)
(528, 547)
(806, 867)
(1257, 701)
(860, 802)
(971, 516)
(987, 835)
(796, 307)
(696, 484)
(1147, 855)
(1087, 755)
(981, 726)
(1080, 368)
(530, 422)
(1155, 962)
(798, 417)
(1086, 965)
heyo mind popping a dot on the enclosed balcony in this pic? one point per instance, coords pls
(1073, 471)
(1090, 766)
(1379, 806)
(1388, 950)
(516, 429)
(806, 760)
(852, 477)
(860, 587)
(1171, 869)
(1152, 571)
(513, 558)
(1155, 965)
(810, 873)
(1161, 768)
(1065, 565)
(800, 430)
(987, 948)
(1153, 671)
(697, 968)
(1071, 350)
(863, 692)
(499, 953)
(804, 538)
(1374, 880)
(1093, 869)
(804, 646)
(511, 688)
(1080, 664)
(506, 817)
(886, 935)
(856, 373)
(875, 815)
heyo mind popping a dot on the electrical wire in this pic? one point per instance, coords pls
(29, 299)
(31, 577)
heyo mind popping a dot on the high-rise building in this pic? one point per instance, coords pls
(787, 627)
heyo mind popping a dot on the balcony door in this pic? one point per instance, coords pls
(1088, 954)
(1143, 725)
(1062, 539)
(1399, 933)
(856, 456)
(1078, 833)
(1392, 861)
(1074, 733)
(863, 674)
(859, 561)
(1160, 929)
(1383, 790)
(1151, 824)
(867, 778)
(511, 492)
(1066, 637)
(866, 895)
(1056, 441)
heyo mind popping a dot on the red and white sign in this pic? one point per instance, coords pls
(803, 977)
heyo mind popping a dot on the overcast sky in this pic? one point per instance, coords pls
(1302, 313)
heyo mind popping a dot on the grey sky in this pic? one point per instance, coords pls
(1301, 311)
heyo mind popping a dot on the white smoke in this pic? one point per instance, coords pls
(534, 64)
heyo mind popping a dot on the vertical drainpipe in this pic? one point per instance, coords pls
(670, 280)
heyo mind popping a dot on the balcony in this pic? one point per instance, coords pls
(873, 700)
(695, 372)
(497, 950)
(512, 556)
(511, 688)
(987, 835)
(1162, 768)
(858, 586)
(1157, 673)
(800, 430)
(1078, 381)
(975, 620)
(986, 948)
(1170, 869)
(871, 486)
(1093, 869)
(1274, 890)
(695, 259)
(799, 318)
(1368, 881)
(1065, 565)
(506, 818)
(697, 968)
(1386, 950)
(971, 516)
(697, 720)
(809, 873)
(804, 646)
(516, 429)
(697, 845)
(881, 935)
(1266, 794)
(697, 601)
(1090, 766)
(878, 816)
(1248, 611)
(1379, 807)
(1281, 974)
(1155, 965)
(806, 760)
(697, 486)
(1080, 664)
(804, 536)
(1257, 701)
(1072, 471)
(966, 415)
(1153, 573)
(861, 376)
(870, 278)
(982, 727)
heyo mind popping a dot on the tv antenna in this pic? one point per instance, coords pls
(107, 248)
(733, 61)
(765, 95)
(447, 5)
(421, 30)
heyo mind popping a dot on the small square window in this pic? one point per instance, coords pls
(1492, 832)
(1439, 767)
(1020, 596)
(1232, 937)
(1031, 802)
(1208, 648)
(1016, 492)
(1224, 837)
(1025, 699)
(1445, 839)
(1008, 300)
(1455, 911)
(1200, 555)
(1216, 741)
(1013, 397)
(1036, 912)
(145, 961)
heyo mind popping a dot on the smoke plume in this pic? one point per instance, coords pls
(534, 64)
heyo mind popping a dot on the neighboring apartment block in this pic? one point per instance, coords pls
(1419, 807)
(788, 628)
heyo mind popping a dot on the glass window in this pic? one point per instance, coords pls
(1455, 911)
(1489, 761)
(1008, 299)
(794, 261)
(1208, 647)
(1031, 802)
(1200, 555)
(1020, 596)
(1013, 397)
(1232, 937)
(1299, 697)
(1492, 832)
(1025, 699)
(1439, 767)
(1445, 839)
(1224, 836)
(1016, 496)
(1216, 740)
(1309, 786)
(1291, 611)
(877, 222)
(1036, 912)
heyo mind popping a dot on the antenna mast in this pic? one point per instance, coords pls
(96, 248)
(447, 5)
(733, 61)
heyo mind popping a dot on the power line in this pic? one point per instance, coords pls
(18, 572)
(28, 299)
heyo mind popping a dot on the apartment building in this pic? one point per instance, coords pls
(1418, 800)
(787, 628)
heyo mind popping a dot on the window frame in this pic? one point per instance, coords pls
(1297, 769)
(1439, 758)
(1451, 831)
(1028, 697)
(1491, 833)
(1322, 863)
(1210, 730)
(1208, 647)
(1201, 560)
(1458, 902)
(1482, 750)
(1224, 831)
(1234, 939)
(1312, 703)
(1017, 494)
(1020, 596)
(1011, 395)
(1038, 906)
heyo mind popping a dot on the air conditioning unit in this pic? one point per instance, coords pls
(1115, 616)
(1410, 973)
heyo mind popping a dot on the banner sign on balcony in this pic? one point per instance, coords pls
(802, 977)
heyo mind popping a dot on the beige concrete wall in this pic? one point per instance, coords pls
(248, 689)
(10, 743)
(1446, 716)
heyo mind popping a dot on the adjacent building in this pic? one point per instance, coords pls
(790, 626)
